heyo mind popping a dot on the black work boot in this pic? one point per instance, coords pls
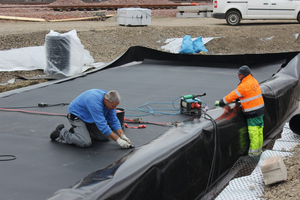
(56, 133)
(71, 130)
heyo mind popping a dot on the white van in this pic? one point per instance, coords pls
(236, 10)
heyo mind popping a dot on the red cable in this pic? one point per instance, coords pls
(142, 122)
(33, 112)
(140, 126)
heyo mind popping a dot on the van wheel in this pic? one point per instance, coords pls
(298, 17)
(233, 18)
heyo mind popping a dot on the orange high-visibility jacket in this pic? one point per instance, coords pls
(249, 93)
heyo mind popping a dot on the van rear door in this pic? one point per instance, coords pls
(258, 9)
(283, 9)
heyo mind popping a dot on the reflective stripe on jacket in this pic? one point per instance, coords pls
(249, 93)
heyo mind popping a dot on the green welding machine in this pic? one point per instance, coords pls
(190, 104)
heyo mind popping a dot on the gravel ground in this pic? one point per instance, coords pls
(106, 40)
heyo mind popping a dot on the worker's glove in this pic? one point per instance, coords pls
(123, 137)
(123, 144)
(221, 103)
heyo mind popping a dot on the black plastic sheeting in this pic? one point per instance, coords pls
(180, 162)
(186, 160)
(139, 53)
(294, 124)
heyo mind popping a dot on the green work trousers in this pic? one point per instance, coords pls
(256, 136)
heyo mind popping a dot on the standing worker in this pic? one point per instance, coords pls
(252, 102)
(92, 116)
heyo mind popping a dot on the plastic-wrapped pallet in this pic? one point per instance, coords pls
(134, 16)
(65, 54)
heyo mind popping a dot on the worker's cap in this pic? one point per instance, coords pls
(244, 70)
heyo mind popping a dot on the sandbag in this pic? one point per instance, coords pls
(187, 45)
(198, 45)
(190, 46)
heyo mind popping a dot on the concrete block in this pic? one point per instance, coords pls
(191, 8)
(209, 8)
(274, 170)
(191, 15)
(209, 14)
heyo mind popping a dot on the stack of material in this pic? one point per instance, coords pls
(194, 11)
(134, 16)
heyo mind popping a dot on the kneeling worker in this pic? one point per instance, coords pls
(252, 102)
(93, 116)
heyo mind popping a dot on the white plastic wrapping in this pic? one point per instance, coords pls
(27, 58)
(173, 44)
(65, 54)
(31, 58)
(134, 16)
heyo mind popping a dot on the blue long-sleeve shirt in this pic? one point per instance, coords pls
(89, 107)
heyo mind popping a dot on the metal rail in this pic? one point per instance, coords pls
(116, 6)
(99, 6)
